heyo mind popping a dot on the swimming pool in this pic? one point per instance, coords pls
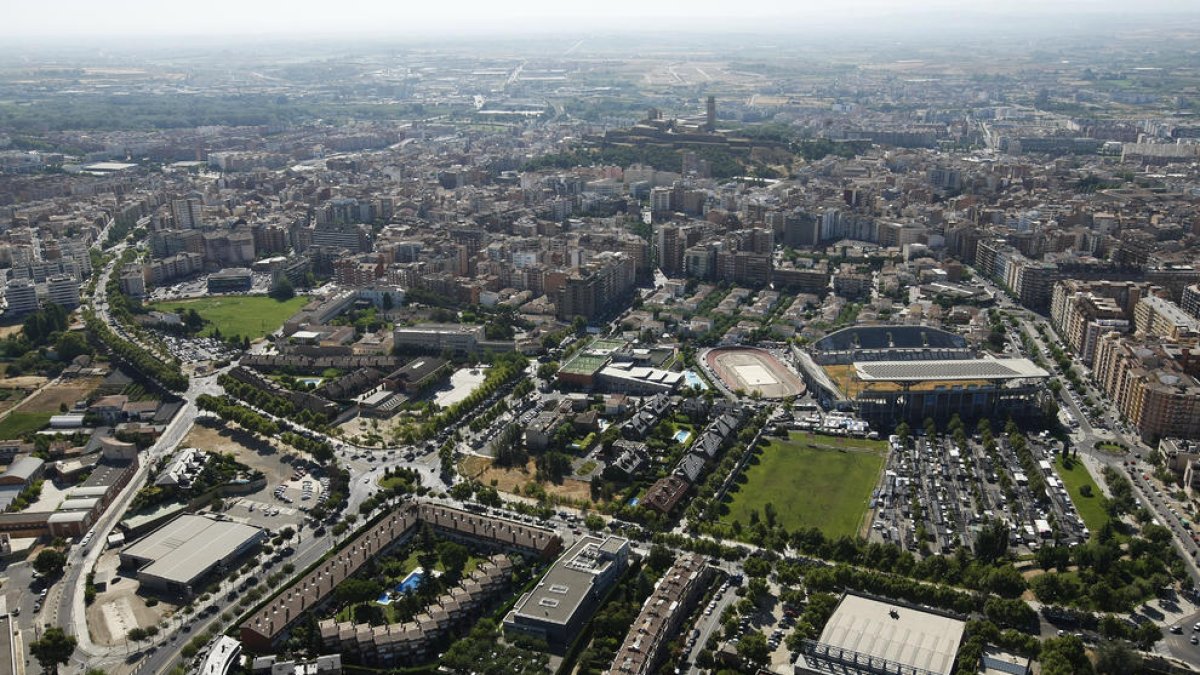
(409, 584)
(694, 380)
(682, 436)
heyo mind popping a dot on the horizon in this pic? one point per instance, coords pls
(76, 20)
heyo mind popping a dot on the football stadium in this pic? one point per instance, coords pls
(749, 370)
(893, 374)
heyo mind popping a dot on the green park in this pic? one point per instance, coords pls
(810, 480)
(252, 316)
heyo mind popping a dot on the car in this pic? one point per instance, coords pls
(1177, 629)
(42, 594)
(1195, 640)
(37, 607)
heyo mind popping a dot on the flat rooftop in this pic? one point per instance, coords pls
(569, 580)
(188, 546)
(949, 370)
(897, 633)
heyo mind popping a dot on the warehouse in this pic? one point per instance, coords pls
(174, 558)
(868, 636)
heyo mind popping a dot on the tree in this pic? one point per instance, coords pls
(71, 344)
(282, 289)
(660, 557)
(1114, 657)
(50, 562)
(753, 647)
(353, 591)
(53, 649)
(387, 302)
(453, 556)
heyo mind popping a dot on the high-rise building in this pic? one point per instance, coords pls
(63, 290)
(710, 114)
(187, 213)
(1190, 301)
(21, 295)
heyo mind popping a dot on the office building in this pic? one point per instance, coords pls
(230, 280)
(556, 609)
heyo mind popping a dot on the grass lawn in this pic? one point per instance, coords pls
(19, 423)
(1111, 448)
(1089, 507)
(245, 315)
(813, 481)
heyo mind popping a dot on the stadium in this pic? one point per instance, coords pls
(749, 370)
(893, 374)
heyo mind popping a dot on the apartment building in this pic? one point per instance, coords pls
(1154, 316)
(1149, 386)
(662, 614)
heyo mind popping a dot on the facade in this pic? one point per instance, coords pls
(21, 295)
(556, 609)
(437, 337)
(1190, 301)
(230, 280)
(1149, 386)
(1160, 317)
(63, 290)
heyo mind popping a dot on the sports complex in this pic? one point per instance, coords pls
(749, 369)
(890, 374)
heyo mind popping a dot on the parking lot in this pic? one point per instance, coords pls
(195, 349)
(941, 492)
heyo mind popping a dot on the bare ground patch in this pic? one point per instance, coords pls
(513, 480)
(51, 399)
(119, 608)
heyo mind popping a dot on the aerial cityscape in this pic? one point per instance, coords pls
(802, 341)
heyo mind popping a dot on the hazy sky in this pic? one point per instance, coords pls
(110, 18)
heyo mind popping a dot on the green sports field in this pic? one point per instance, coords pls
(813, 481)
(251, 316)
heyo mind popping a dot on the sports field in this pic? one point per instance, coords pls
(813, 480)
(750, 370)
(250, 316)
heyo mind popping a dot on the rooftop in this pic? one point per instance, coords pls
(568, 582)
(955, 369)
(897, 633)
(185, 548)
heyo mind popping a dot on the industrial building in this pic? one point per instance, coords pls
(556, 609)
(178, 555)
(866, 636)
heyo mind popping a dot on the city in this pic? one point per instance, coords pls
(601, 351)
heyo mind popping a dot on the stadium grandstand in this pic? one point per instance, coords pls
(891, 374)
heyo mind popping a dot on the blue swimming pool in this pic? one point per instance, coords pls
(694, 380)
(682, 436)
(409, 584)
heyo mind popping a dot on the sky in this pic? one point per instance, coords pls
(113, 18)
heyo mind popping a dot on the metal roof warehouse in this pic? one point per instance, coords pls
(177, 555)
